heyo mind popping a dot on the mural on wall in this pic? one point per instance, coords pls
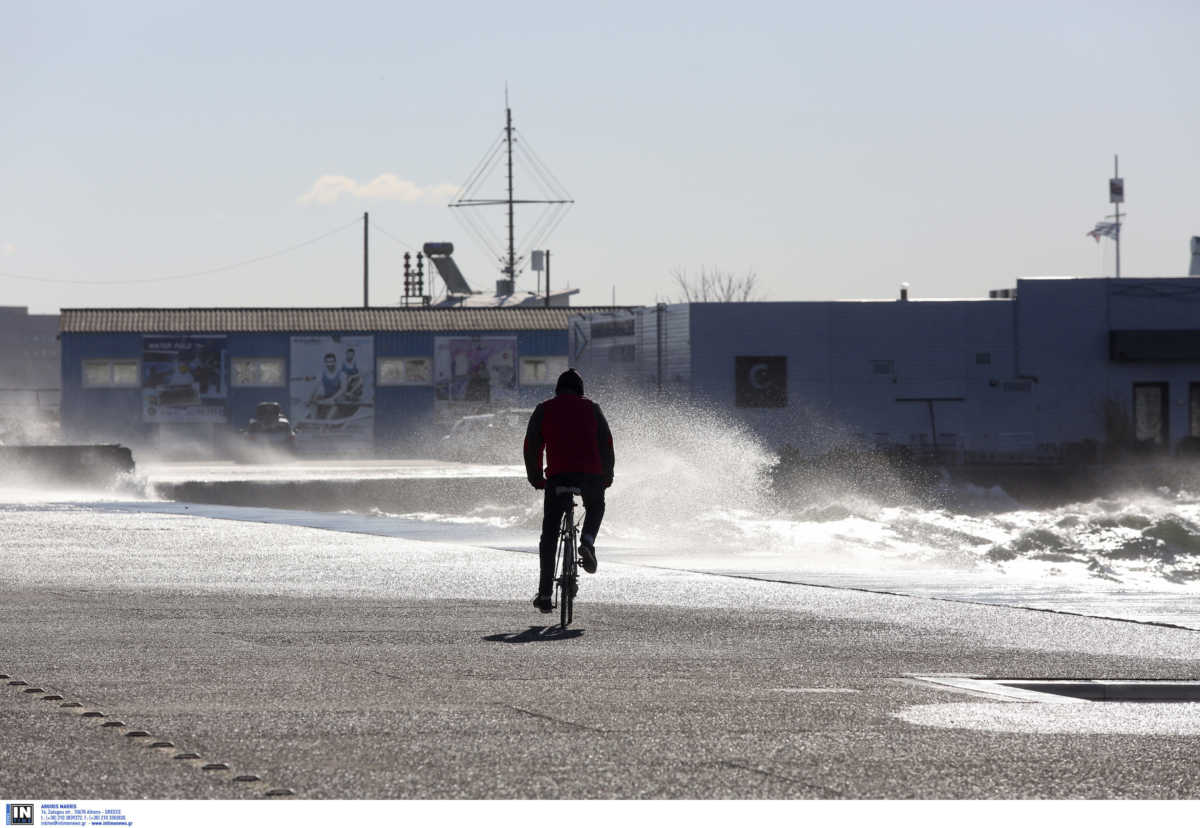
(332, 390)
(760, 381)
(474, 373)
(184, 379)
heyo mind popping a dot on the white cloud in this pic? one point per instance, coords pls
(386, 187)
(8, 248)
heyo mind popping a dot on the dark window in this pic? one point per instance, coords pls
(983, 358)
(622, 353)
(760, 381)
(1150, 412)
(883, 366)
(619, 327)
(1154, 346)
(1018, 385)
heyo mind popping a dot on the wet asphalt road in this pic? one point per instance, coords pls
(335, 665)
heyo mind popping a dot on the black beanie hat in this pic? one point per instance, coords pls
(569, 380)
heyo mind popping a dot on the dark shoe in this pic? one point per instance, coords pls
(588, 553)
(543, 603)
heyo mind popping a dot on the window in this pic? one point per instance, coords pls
(883, 366)
(542, 370)
(405, 371)
(110, 373)
(622, 353)
(618, 327)
(258, 371)
(983, 358)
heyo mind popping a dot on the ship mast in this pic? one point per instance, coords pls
(511, 269)
(510, 148)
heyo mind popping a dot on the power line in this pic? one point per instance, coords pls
(189, 275)
(396, 239)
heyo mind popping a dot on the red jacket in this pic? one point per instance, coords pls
(575, 436)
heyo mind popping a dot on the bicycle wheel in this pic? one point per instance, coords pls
(567, 583)
(567, 610)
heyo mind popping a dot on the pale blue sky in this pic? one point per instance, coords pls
(835, 149)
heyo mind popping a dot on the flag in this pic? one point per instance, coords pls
(1105, 228)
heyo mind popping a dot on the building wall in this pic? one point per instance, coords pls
(621, 349)
(1064, 327)
(28, 349)
(1028, 377)
(29, 383)
(100, 414)
(862, 371)
(404, 415)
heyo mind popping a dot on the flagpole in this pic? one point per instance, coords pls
(1117, 175)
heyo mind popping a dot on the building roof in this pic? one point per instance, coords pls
(315, 320)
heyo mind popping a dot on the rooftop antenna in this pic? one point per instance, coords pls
(556, 199)
(512, 256)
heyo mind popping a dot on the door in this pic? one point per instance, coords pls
(1150, 413)
(1194, 410)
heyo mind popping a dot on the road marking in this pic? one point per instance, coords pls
(117, 726)
(815, 690)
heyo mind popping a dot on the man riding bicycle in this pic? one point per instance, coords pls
(579, 453)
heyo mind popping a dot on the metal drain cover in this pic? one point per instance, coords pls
(1071, 691)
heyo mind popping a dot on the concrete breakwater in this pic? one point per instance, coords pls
(792, 481)
(89, 465)
(393, 495)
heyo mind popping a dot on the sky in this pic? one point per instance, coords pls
(222, 154)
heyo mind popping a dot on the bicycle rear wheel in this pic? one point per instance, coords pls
(567, 608)
(567, 584)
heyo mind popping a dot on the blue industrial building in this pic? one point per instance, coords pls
(1058, 367)
(367, 379)
(1054, 367)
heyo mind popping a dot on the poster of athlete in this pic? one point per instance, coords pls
(332, 390)
(473, 374)
(183, 379)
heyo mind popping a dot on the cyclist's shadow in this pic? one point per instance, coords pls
(534, 635)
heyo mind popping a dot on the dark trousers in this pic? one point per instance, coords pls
(592, 486)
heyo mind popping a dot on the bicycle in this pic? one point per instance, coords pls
(566, 561)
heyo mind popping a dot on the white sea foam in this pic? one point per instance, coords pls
(692, 491)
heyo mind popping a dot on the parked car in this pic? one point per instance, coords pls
(269, 429)
(496, 437)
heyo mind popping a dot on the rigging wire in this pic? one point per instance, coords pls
(486, 235)
(177, 276)
(556, 201)
(482, 169)
(557, 186)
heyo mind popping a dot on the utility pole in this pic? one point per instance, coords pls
(366, 273)
(547, 278)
